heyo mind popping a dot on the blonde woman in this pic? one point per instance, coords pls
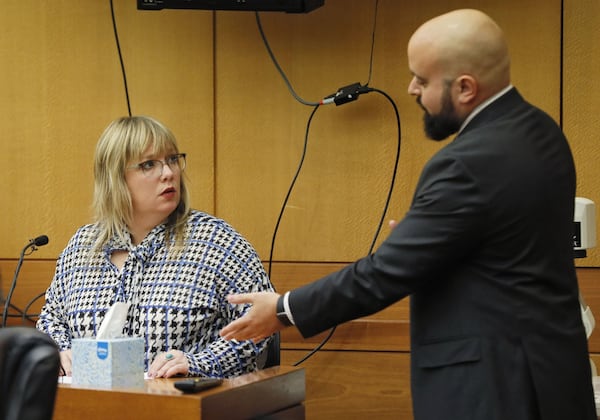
(175, 266)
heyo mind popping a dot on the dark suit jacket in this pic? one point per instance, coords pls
(486, 253)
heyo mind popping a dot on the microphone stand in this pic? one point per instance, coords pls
(7, 304)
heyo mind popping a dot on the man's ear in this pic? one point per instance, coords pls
(467, 88)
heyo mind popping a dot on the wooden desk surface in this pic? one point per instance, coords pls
(275, 393)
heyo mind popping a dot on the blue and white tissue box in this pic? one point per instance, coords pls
(109, 363)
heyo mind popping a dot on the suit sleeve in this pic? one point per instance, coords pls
(443, 226)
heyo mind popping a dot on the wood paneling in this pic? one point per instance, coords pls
(581, 99)
(338, 197)
(356, 385)
(33, 279)
(207, 76)
(362, 371)
(61, 85)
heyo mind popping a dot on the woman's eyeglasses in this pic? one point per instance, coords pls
(154, 168)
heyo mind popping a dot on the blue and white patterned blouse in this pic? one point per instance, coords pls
(177, 301)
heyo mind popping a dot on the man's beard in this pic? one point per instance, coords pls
(445, 123)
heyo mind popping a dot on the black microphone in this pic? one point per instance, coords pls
(33, 244)
(39, 241)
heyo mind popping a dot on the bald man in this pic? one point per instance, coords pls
(485, 251)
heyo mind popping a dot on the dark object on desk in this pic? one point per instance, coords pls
(29, 367)
(197, 384)
(289, 6)
(271, 355)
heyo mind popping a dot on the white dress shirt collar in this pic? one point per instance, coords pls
(482, 105)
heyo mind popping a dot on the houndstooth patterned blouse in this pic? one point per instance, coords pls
(177, 301)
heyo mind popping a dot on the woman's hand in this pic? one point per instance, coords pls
(171, 363)
(66, 363)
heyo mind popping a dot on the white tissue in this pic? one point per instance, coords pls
(114, 321)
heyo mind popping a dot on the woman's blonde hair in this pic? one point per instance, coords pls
(123, 141)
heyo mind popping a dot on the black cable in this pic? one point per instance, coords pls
(283, 206)
(395, 171)
(27, 316)
(114, 22)
(278, 67)
(287, 196)
(282, 73)
(385, 208)
(372, 43)
(316, 349)
(359, 90)
(561, 79)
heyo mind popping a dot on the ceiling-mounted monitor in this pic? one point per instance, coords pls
(289, 6)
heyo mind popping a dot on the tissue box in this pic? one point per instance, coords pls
(115, 362)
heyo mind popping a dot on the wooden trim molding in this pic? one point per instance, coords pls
(373, 350)
(388, 330)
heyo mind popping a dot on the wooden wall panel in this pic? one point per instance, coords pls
(33, 279)
(356, 385)
(61, 85)
(387, 330)
(338, 198)
(363, 370)
(581, 99)
(232, 112)
(208, 76)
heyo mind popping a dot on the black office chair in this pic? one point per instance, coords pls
(271, 355)
(29, 369)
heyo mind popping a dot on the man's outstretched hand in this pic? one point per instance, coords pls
(259, 322)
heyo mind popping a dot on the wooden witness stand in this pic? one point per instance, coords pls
(273, 393)
(363, 371)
